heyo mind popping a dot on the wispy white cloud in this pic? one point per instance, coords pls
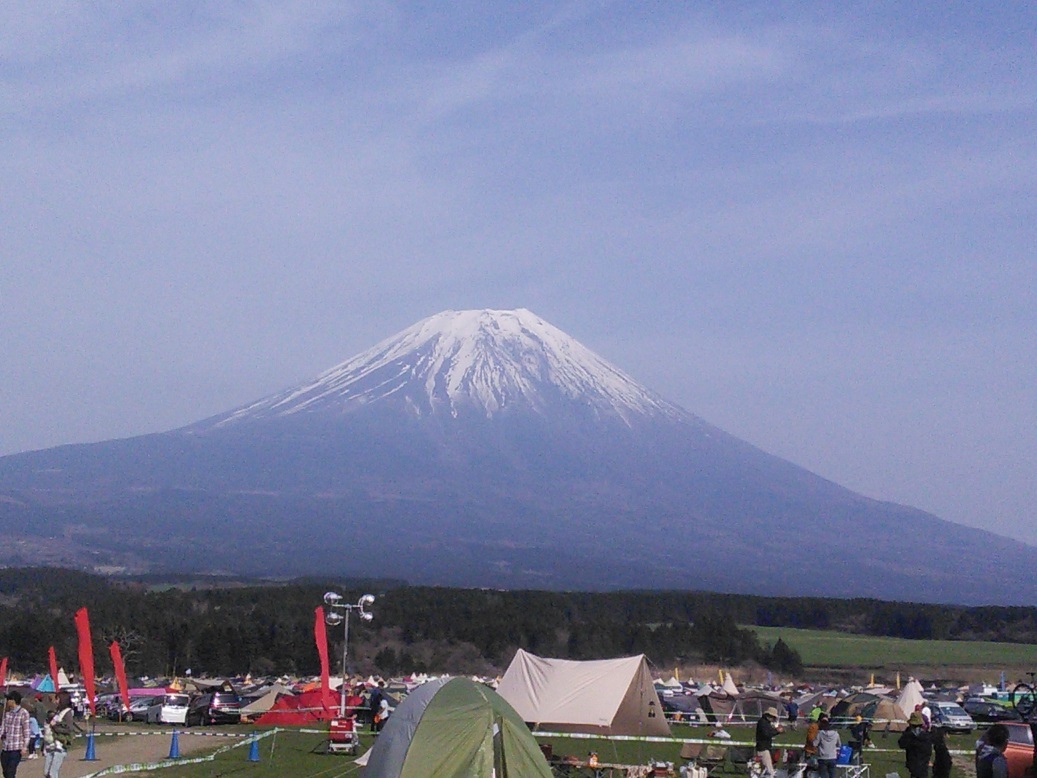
(58, 54)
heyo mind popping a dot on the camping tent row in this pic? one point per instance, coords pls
(878, 705)
(706, 704)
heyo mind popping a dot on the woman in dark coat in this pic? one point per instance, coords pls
(917, 745)
(941, 755)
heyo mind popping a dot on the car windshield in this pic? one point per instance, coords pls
(179, 700)
(953, 710)
(225, 698)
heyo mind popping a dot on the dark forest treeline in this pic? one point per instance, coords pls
(224, 627)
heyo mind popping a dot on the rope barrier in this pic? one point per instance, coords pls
(168, 732)
(141, 767)
(723, 743)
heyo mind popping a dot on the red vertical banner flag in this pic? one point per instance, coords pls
(120, 672)
(52, 662)
(3, 672)
(86, 656)
(320, 637)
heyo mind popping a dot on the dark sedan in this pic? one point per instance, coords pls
(989, 712)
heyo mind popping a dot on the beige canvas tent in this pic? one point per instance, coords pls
(608, 696)
(729, 685)
(887, 716)
(910, 697)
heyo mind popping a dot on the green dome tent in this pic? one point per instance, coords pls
(455, 727)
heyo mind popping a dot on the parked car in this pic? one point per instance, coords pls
(988, 712)
(214, 708)
(105, 705)
(951, 716)
(170, 708)
(1020, 748)
(138, 710)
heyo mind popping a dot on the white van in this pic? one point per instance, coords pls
(170, 708)
(951, 717)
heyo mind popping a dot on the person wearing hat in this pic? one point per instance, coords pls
(918, 746)
(766, 728)
(14, 734)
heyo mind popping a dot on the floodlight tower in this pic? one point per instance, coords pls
(337, 612)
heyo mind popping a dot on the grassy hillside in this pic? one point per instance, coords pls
(832, 649)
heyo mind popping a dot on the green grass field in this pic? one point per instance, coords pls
(300, 755)
(822, 648)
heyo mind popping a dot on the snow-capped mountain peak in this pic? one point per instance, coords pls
(485, 362)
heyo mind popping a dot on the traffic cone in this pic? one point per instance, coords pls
(174, 746)
(91, 752)
(253, 749)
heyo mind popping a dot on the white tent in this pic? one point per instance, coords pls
(608, 696)
(910, 696)
(729, 685)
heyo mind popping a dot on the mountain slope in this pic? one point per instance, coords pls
(488, 448)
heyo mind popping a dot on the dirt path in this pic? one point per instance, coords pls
(131, 745)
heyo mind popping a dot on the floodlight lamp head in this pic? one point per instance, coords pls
(334, 618)
(366, 616)
(331, 598)
(367, 599)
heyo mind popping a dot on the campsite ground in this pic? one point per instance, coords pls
(289, 753)
(116, 744)
(299, 753)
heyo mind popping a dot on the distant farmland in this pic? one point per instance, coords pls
(841, 650)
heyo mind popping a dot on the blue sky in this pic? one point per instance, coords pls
(811, 224)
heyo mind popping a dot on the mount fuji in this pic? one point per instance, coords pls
(484, 448)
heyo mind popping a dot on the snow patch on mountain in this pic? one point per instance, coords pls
(482, 361)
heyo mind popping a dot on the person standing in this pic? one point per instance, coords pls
(58, 740)
(766, 728)
(42, 708)
(14, 734)
(827, 742)
(860, 733)
(918, 746)
(990, 756)
(374, 703)
(384, 711)
(809, 749)
(792, 709)
(941, 754)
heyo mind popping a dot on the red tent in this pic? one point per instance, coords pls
(302, 708)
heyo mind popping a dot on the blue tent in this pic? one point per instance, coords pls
(46, 684)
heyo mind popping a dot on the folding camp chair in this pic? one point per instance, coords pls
(691, 751)
(712, 758)
(741, 758)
